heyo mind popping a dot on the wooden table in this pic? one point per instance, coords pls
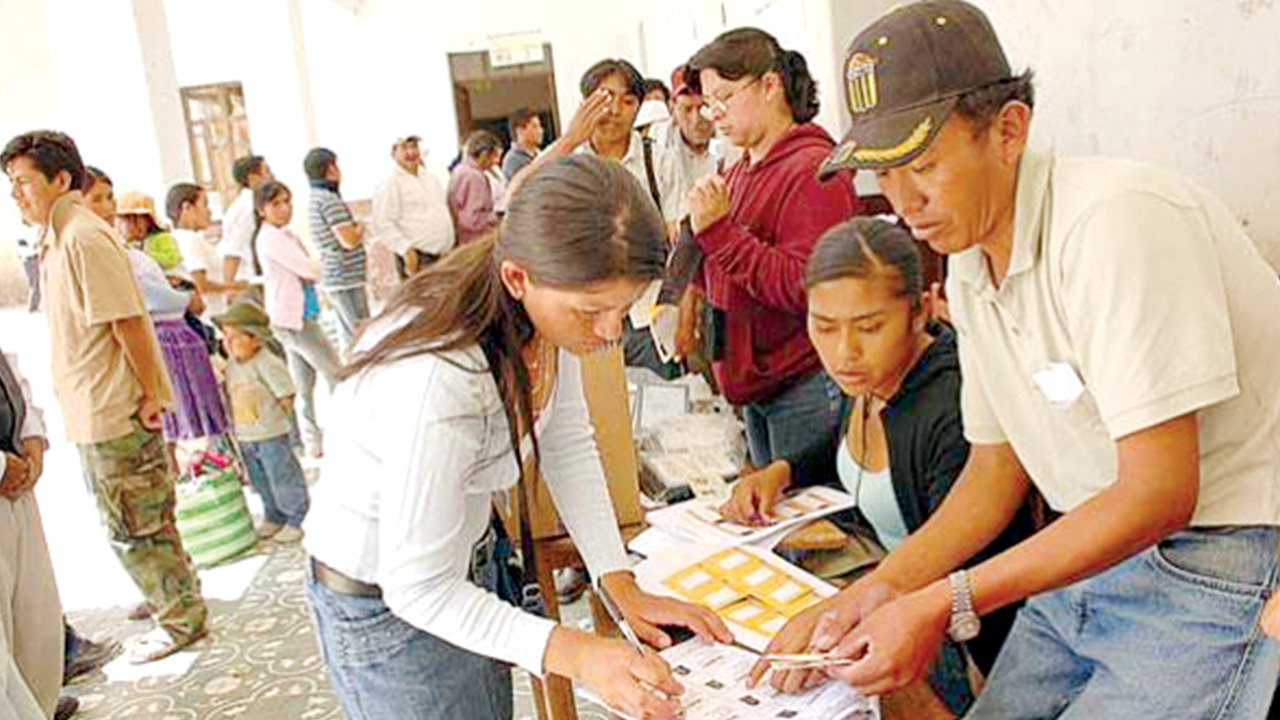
(553, 696)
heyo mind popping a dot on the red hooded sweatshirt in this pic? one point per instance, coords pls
(754, 262)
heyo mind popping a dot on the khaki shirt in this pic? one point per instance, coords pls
(88, 284)
(1133, 297)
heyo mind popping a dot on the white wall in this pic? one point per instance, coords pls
(1193, 84)
(1190, 84)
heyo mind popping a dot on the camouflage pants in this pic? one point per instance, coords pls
(132, 482)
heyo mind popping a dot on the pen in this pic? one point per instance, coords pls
(627, 633)
(618, 619)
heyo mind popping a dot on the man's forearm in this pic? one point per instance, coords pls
(141, 352)
(981, 504)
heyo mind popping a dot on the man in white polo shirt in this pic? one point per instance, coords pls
(1119, 345)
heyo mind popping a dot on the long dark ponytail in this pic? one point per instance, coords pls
(578, 221)
(744, 52)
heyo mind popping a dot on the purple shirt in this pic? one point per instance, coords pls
(470, 201)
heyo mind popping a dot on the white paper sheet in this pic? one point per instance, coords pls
(700, 521)
(715, 688)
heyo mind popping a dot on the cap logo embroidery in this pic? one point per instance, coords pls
(899, 151)
(860, 81)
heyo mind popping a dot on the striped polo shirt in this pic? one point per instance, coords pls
(343, 268)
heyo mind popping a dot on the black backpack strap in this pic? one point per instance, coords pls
(647, 143)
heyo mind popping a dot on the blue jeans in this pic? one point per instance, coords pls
(1170, 633)
(383, 668)
(275, 473)
(351, 307)
(803, 414)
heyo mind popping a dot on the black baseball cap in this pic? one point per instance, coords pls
(904, 74)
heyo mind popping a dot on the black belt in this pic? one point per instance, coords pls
(342, 584)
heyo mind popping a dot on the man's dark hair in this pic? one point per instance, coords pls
(481, 143)
(597, 73)
(651, 84)
(750, 52)
(317, 162)
(179, 195)
(518, 119)
(243, 167)
(980, 107)
(50, 151)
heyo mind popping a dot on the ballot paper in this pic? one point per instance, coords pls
(753, 591)
(699, 520)
(715, 688)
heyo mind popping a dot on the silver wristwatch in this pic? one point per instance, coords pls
(964, 621)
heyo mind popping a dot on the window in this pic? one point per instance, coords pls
(218, 133)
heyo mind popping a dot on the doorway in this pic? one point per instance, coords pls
(486, 92)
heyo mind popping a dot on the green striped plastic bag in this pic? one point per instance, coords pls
(213, 519)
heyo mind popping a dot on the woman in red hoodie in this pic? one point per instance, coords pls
(756, 226)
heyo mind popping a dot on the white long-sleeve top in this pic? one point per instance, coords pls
(411, 210)
(416, 451)
(33, 423)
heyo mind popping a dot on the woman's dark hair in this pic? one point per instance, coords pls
(597, 73)
(580, 220)
(245, 166)
(749, 52)
(94, 175)
(51, 152)
(981, 106)
(179, 195)
(866, 248)
(481, 143)
(265, 193)
(317, 162)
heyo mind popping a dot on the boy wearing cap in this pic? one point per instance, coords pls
(1118, 344)
(262, 393)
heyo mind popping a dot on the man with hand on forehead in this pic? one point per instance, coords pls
(1117, 340)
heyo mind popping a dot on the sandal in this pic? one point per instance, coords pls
(158, 644)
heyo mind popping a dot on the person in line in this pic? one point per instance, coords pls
(109, 376)
(340, 240)
(262, 393)
(197, 411)
(187, 206)
(290, 275)
(756, 226)
(239, 224)
(30, 612)
(29, 253)
(470, 196)
(525, 126)
(411, 211)
(464, 385)
(138, 224)
(691, 149)
(901, 445)
(1117, 340)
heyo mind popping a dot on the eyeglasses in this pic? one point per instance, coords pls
(712, 105)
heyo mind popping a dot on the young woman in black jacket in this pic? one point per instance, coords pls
(901, 445)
